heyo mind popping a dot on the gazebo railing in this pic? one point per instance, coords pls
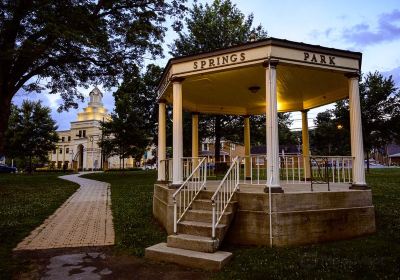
(184, 196)
(167, 165)
(339, 168)
(188, 163)
(224, 193)
(253, 169)
(292, 168)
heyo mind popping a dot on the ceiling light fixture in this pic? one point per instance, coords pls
(254, 89)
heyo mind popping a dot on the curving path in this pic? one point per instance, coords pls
(85, 219)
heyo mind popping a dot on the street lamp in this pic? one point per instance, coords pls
(91, 139)
(71, 152)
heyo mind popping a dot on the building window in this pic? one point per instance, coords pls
(233, 147)
(60, 150)
(205, 146)
(80, 133)
(84, 133)
(69, 138)
(62, 139)
(67, 150)
(54, 152)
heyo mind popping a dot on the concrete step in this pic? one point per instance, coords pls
(208, 261)
(201, 229)
(207, 194)
(193, 242)
(205, 204)
(201, 215)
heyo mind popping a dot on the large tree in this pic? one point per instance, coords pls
(380, 114)
(63, 45)
(31, 133)
(331, 134)
(132, 126)
(210, 27)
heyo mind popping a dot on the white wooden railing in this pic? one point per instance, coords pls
(253, 169)
(292, 168)
(184, 196)
(224, 193)
(188, 163)
(167, 165)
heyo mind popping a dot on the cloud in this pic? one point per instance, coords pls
(387, 30)
(395, 73)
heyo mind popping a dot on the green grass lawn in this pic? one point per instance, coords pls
(25, 202)
(370, 257)
(132, 208)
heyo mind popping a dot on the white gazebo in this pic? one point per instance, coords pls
(262, 199)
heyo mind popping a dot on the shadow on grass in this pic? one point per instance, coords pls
(25, 202)
(370, 257)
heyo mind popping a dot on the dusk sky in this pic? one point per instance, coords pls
(371, 27)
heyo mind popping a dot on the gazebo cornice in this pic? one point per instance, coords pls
(166, 76)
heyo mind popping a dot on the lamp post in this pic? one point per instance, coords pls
(71, 152)
(91, 139)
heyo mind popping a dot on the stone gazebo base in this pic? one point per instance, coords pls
(299, 216)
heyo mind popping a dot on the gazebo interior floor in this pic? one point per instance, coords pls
(301, 187)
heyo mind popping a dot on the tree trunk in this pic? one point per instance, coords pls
(367, 162)
(5, 110)
(217, 145)
(30, 165)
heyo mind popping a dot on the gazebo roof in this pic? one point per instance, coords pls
(233, 80)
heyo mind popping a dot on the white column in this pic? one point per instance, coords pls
(71, 162)
(84, 156)
(305, 144)
(177, 132)
(57, 151)
(272, 127)
(162, 150)
(357, 148)
(195, 135)
(247, 146)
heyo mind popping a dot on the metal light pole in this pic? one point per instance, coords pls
(71, 152)
(91, 139)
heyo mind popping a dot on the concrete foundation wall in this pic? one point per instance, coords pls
(297, 218)
(163, 207)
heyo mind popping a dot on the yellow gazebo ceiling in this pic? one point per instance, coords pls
(225, 90)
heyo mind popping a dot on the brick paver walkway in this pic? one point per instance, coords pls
(85, 219)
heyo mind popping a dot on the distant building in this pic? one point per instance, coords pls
(229, 150)
(78, 147)
(393, 154)
(387, 155)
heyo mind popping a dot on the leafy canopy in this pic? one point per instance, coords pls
(132, 126)
(210, 27)
(63, 45)
(31, 134)
(215, 26)
(380, 114)
(77, 43)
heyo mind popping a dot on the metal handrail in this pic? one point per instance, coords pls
(224, 193)
(339, 168)
(189, 190)
(167, 168)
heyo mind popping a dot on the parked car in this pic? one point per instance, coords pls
(7, 169)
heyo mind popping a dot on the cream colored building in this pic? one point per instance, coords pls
(78, 147)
